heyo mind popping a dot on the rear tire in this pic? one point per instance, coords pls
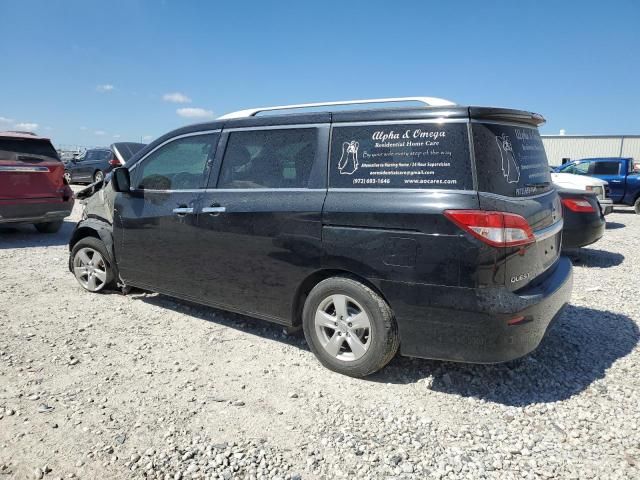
(98, 176)
(349, 327)
(48, 227)
(90, 264)
(636, 206)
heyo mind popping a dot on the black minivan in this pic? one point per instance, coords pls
(435, 230)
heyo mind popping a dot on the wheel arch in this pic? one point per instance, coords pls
(314, 279)
(96, 229)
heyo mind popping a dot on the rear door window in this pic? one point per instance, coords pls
(402, 155)
(510, 160)
(606, 168)
(97, 155)
(269, 158)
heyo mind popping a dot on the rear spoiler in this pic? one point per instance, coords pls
(506, 114)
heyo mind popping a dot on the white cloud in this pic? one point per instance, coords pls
(100, 132)
(6, 120)
(117, 135)
(200, 113)
(176, 97)
(107, 87)
(26, 126)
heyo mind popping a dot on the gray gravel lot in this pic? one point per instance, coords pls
(143, 386)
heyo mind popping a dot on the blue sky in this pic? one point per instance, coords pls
(90, 72)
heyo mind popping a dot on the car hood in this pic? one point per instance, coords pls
(579, 181)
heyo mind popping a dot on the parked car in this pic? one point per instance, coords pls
(620, 173)
(584, 221)
(91, 166)
(375, 230)
(590, 184)
(32, 188)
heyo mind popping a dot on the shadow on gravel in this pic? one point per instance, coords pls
(252, 325)
(577, 350)
(26, 236)
(589, 257)
(614, 225)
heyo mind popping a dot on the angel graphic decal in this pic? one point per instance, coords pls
(510, 168)
(348, 163)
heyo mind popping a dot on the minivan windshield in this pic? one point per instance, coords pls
(510, 160)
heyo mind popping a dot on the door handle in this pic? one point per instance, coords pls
(214, 209)
(182, 210)
(615, 181)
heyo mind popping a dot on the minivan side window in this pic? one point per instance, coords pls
(178, 165)
(401, 155)
(606, 168)
(270, 158)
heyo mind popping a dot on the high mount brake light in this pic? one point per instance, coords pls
(498, 229)
(578, 205)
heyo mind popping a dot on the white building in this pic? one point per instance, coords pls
(574, 147)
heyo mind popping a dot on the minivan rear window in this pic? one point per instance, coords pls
(510, 160)
(401, 155)
(26, 147)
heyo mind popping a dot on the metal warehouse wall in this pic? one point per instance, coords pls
(575, 147)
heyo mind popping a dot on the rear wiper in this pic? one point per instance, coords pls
(538, 185)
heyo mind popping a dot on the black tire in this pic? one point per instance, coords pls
(48, 227)
(383, 336)
(636, 206)
(98, 176)
(99, 246)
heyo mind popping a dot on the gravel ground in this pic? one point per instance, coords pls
(143, 386)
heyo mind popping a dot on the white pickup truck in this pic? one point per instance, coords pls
(581, 182)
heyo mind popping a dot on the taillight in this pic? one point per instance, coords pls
(114, 162)
(576, 205)
(498, 229)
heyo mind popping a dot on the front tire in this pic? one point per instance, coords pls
(98, 176)
(636, 206)
(349, 327)
(48, 227)
(91, 267)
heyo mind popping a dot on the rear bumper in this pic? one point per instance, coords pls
(34, 210)
(471, 325)
(606, 206)
(582, 229)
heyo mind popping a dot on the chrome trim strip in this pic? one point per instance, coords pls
(506, 197)
(227, 190)
(173, 139)
(277, 127)
(549, 231)
(404, 190)
(399, 122)
(23, 169)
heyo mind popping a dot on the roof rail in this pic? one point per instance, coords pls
(428, 101)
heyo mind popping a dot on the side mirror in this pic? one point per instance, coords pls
(120, 180)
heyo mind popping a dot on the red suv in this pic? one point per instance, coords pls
(32, 188)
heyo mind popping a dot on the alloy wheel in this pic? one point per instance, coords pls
(90, 269)
(343, 327)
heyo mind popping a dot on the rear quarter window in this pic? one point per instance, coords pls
(412, 155)
(510, 160)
